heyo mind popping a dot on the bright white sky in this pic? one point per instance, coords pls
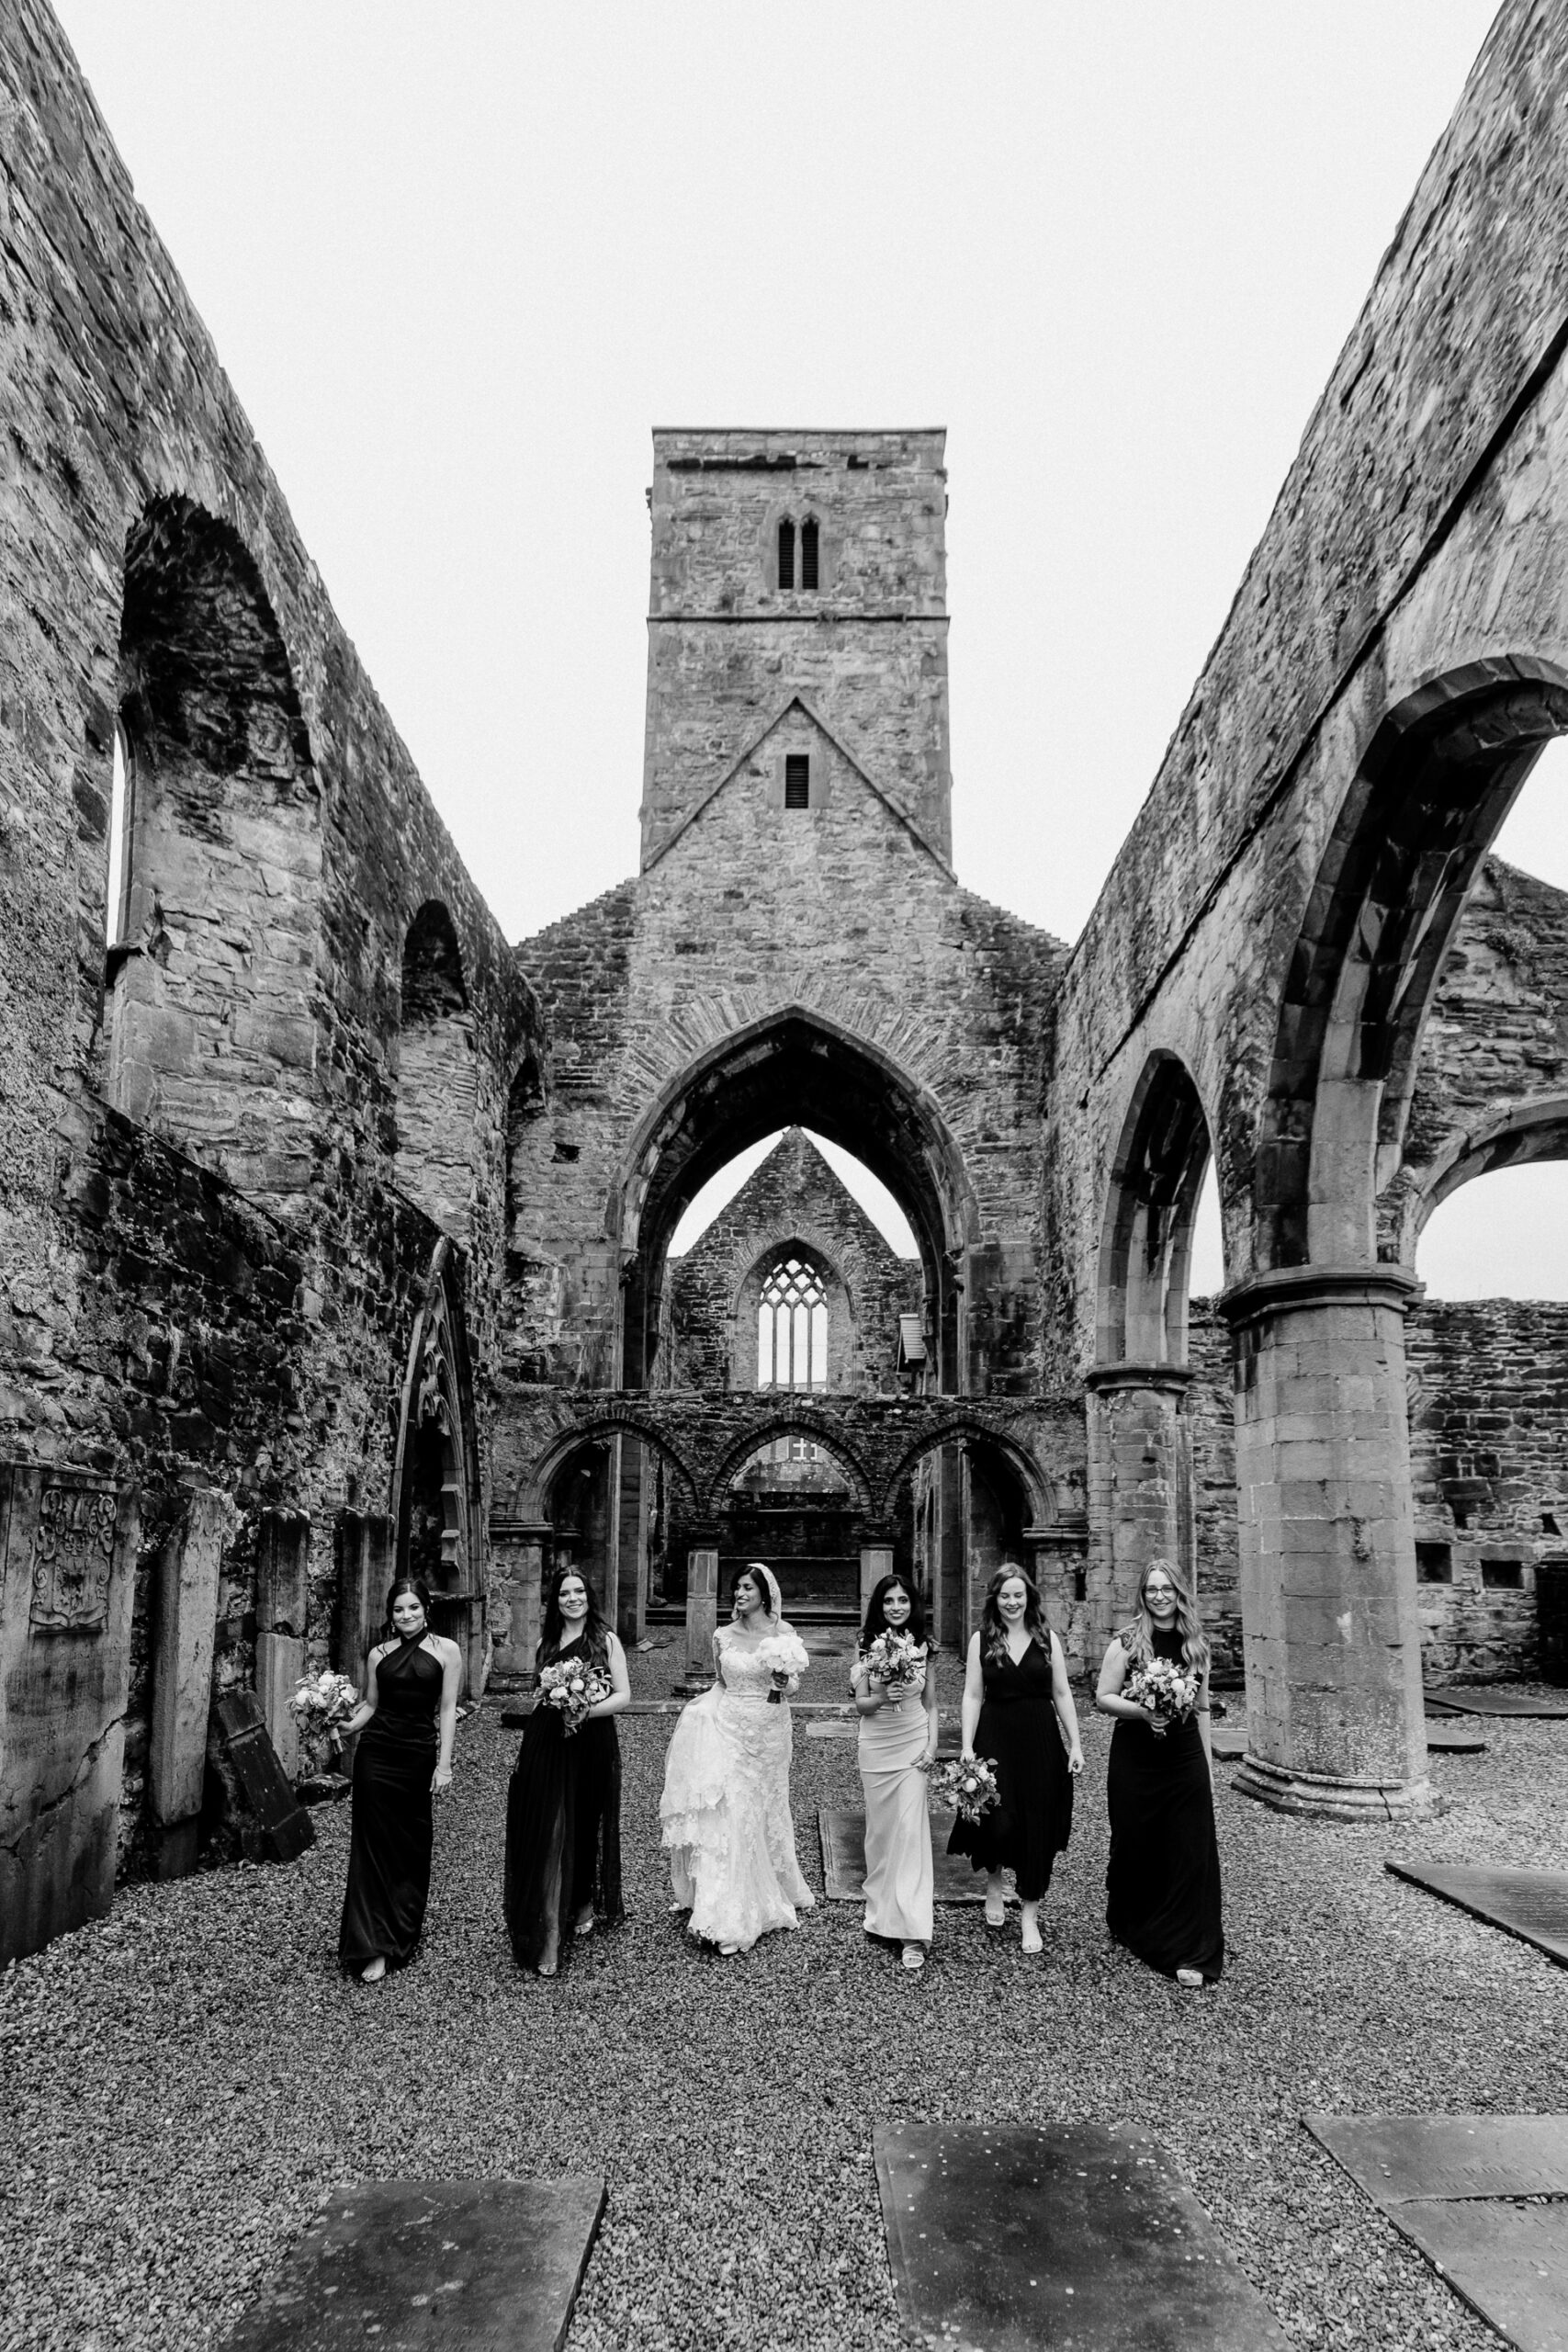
(460, 257)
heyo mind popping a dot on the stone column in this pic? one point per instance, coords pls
(628, 1536)
(516, 1598)
(283, 1561)
(362, 1544)
(185, 1619)
(1140, 1484)
(702, 1611)
(1335, 1716)
(67, 1577)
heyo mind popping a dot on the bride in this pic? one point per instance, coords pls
(725, 1809)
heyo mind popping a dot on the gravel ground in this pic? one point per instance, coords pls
(183, 2082)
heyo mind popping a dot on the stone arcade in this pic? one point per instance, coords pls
(337, 1230)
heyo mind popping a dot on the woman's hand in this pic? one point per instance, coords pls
(1075, 1758)
(440, 1780)
(967, 1756)
(1155, 1722)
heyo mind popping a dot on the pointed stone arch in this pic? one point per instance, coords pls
(435, 1508)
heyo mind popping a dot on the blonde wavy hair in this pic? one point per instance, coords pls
(1137, 1639)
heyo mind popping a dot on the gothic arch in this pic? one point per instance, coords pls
(975, 1429)
(438, 1073)
(796, 1421)
(1515, 1134)
(795, 1068)
(1434, 785)
(1156, 1176)
(615, 1421)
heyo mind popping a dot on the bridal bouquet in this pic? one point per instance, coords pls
(969, 1788)
(896, 1661)
(322, 1705)
(1169, 1692)
(784, 1656)
(571, 1688)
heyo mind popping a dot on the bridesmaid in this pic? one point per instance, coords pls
(897, 1735)
(406, 1720)
(1163, 1882)
(563, 1808)
(1016, 1694)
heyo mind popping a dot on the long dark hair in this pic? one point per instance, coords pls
(1137, 1639)
(876, 1613)
(596, 1627)
(993, 1633)
(421, 1592)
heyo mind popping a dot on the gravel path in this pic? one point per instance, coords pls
(181, 2083)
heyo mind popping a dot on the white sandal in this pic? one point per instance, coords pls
(914, 1958)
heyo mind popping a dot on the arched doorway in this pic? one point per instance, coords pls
(435, 1491)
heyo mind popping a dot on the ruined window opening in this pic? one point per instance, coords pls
(117, 902)
(1434, 1564)
(786, 553)
(1503, 1576)
(792, 1328)
(809, 554)
(797, 779)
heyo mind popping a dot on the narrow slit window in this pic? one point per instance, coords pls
(786, 553)
(797, 779)
(809, 554)
(119, 836)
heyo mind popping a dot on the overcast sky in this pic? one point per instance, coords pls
(459, 259)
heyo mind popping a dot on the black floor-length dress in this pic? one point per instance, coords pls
(1163, 1882)
(393, 1832)
(563, 1833)
(1019, 1731)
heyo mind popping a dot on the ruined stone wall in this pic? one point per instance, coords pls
(222, 1291)
(793, 1198)
(1422, 528)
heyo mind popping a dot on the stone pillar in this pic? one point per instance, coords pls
(362, 1545)
(67, 1579)
(283, 1592)
(1140, 1484)
(627, 1578)
(516, 1598)
(702, 1612)
(184, 1618)
(875, 1561)
(951, 1586)
(1335, 1716)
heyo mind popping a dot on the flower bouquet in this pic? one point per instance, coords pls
(784, 1656)
(969, 1787)
(896, 1661)
(322, 1705)
(571, 1688)
(1169, 1692)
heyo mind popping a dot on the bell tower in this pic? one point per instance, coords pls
(805, 568)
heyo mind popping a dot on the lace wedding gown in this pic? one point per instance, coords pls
(724, 1811)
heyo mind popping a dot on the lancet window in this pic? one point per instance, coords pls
(792, 1328)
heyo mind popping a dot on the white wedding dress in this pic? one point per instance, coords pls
(724, 1811)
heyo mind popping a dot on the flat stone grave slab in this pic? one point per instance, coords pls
(832, 1727)
(843, 1860)
(430, 2265)
(1074, 2236)
(1531, 1904)
(1451, 2184)
(1229, 1740)
(1500, 1699)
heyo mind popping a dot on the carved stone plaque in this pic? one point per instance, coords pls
(72, 1555)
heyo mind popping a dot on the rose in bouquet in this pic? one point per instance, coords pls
(968, 1785)
(322, 1705)
(784, 1656)
(571, 1686)
(1168, 1690)
(895, 1660)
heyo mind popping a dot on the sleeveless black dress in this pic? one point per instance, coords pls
(1019, 1731)
(393, 1832)
(563, 1833)
(1163, 1882)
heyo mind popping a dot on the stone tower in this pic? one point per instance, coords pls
(799, 584)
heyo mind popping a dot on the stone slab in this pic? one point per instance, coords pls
(1531, 1904)
(274, 1825)
(430, 2265)
(832, 1727)
(843, 1860)
(1229, 1741)
(1009, 2240)
(1551, 1706)
(1447, 2182)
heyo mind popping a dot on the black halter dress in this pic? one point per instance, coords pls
(1163, 1882)
(393, 1832)
(563, 1833)
(1019, 1731)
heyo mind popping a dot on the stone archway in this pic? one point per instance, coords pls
(435, 1484)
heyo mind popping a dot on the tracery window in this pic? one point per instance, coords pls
(792, 1328)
